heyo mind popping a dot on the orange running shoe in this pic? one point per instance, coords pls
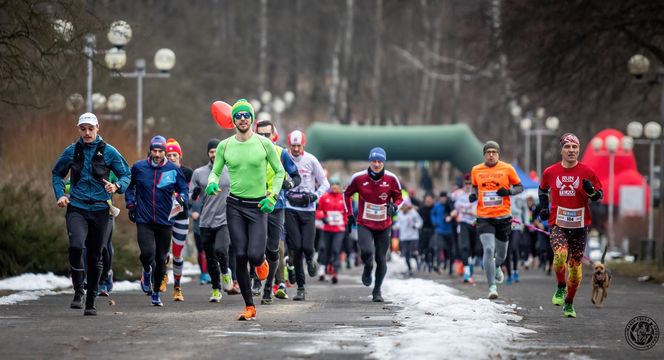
(262, 270)
(249, 313)
(162, 287)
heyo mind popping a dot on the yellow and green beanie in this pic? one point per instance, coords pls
(242, 105)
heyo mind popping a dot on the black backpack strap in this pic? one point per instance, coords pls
(76, 167)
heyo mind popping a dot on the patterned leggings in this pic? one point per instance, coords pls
(568, 246)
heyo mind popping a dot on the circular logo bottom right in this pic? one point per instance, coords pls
(642, 333)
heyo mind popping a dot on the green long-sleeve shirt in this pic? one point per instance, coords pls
(246, 162)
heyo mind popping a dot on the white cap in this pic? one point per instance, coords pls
(88, 118)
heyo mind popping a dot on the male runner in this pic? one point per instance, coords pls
(494, 181)
(275, 219)
(149, 198)
(301, 210)
(214, 225)
(89, 161)
(247, 156)
(569, 184)
(379, 198)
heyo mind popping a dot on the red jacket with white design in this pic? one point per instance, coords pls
(332, 211)
(374, 197)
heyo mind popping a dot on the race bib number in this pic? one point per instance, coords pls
(570, 218)
(374, 212)
(335, 218)
(491, 199)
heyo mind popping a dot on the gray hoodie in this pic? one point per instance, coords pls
(213, 214)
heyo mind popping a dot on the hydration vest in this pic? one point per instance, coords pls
(100, 170)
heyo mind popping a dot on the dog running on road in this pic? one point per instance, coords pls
(601, 282)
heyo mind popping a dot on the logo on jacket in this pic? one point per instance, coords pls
(384, 184)
(567, 185)
(365, 183)
(383, 196)
(167, 178)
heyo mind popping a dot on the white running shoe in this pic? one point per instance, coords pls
(500, 277)
(227, 280)
(493, 292)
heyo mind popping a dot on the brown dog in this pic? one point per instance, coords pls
(601, 282)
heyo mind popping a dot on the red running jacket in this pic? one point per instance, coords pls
(374, 197)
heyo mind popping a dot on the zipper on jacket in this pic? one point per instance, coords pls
(154, 192)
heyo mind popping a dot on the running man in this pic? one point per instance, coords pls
(181, 225)
(569, 184)
(275, 219)
(494, 181)
(150, 198)
(331, 210)
(213, 223)
(409, 223)
(379, 198)
(89, 161)
(301, 210)
(247, 156)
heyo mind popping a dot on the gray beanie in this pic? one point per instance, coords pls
(491, 145)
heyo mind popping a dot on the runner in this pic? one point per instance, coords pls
(331, 212)
(181, 225)
(246, 156)
(150, 200)
(301, 210)
(442, 241)
(519, 214)
(89, 161)
(379, 198)
(466, 213)
(426, 233)
(409, 224)
(106, 279)
(214, 224)
(275, 219)
(494, 181)
(568, 184)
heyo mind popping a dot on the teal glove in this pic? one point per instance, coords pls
(267, 204)
(212, 189)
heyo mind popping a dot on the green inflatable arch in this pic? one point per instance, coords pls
(455, 143)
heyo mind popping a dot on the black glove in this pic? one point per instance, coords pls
(472, 198)
(543, 214)
(325, 221)
(588, 187)
(503, 192)
(350, 220)
(391, 209)
(287, 184)
(180, 200)
(196, 193)
(131, 213)
(312, 198)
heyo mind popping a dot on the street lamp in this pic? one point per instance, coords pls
(526, 124)
(638, 66)
(272, 106)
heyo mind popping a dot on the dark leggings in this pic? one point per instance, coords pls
(330, 246)
(216, 242)
(373, 246)
(107, 252)
(275, 227)
(301, 230)
(512, 259)
(468, 241)
(247, 227)
(154, 241)
(409, 249)
(86, 231)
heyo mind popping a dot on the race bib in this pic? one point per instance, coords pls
(570, 218)
(335, 218)
(491, 199)
(374, 212)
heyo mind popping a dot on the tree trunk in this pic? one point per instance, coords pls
(262, 67)
(348, 41)
(376, 113)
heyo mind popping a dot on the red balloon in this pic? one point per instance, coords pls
(221, 113)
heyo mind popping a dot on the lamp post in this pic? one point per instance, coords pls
(271, 107)
(550, 126)
(164, 60)
(638, 66)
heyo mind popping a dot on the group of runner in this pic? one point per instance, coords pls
(256, 204)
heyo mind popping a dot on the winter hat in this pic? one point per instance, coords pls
(158, 142)
(297, 137)
(242, 105)
(442, 194)
(569, 138)
(377, 153)
(212, 144)
(491, 145)
(172, 145)
(88, 118)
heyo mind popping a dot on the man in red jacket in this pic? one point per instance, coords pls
(379, 198)
(331, 210)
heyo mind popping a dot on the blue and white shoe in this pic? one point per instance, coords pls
(102, 290)
(516, 276)
(109, 281)
(146, 282)
(156, 301)
(509, 279)
(205, 279)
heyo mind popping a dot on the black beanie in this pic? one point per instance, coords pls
(212, 144)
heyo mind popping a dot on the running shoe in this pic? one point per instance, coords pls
(156, 301)
(366, 275)
(215, 296)
(500, 277)
(257, 287)
(516, 276)
(509, 280)
(467, 279)
(204, 279)
(109, 281)
(146, 282)
(568, 310)
(558, 298)
(227, 280)
(291, 274)
(281, 292)
(178, 295)
(262, 270)
(90, 311)
(493, 292)
(267, 297)
(300, 295)
(312, 267)
(164, 281)
(77, 301)
(334, 279)
(376, 297)
(103, 289)
(235, 289)
(249, 313)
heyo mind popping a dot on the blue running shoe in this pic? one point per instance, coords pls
(509, 280)
(516, 276)
(156, 301)
(102, 290)
(146, 282)
(205, 279)
(109, 281)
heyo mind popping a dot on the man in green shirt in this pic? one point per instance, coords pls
(246, 156)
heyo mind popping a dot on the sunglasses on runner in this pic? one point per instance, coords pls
(267, 135)
(242, 115)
